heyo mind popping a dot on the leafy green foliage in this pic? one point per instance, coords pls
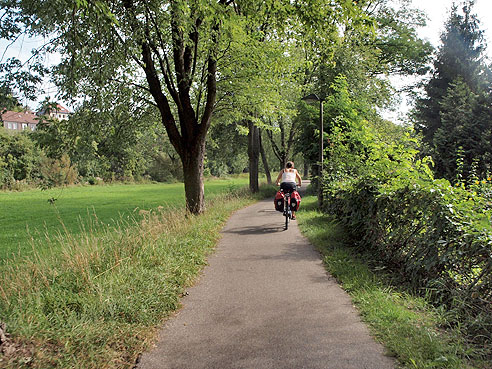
(18, 158)
(112, 135)
(7, 100)
(164, 168)
(57, 172)
(364, 56)
(396, 48)
(431, 235)
(226, 150)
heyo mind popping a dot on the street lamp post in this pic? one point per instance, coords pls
(312, 98)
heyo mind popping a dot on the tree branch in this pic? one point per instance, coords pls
(8, 46)
(292, 132)
(275, 148)
(211, 94)
(167, 70)
(133, 56)
(169, 85)
(131, 83)
(194, 37)
(185, 109)
(160, 99)
(155, 85)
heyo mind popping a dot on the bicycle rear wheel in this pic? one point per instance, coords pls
(287, 212)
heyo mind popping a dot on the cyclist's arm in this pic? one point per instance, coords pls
(279, 177)
(298, 176)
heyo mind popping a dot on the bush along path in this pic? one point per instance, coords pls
(265, 301)
(409, 326)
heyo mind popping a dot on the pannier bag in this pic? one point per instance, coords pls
(279, 201)
(295, 201)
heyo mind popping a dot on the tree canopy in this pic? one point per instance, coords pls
(240, 64)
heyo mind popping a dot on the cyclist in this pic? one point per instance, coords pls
(287, 179)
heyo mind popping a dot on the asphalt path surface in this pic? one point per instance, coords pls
(265, 301)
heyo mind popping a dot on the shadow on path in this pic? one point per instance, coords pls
(257, 230)
(288, 252)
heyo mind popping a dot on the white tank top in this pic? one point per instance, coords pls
(289, 176)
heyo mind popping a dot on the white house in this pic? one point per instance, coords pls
(19, 121)
(60, 112)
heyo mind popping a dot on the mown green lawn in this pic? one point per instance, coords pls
(30, 214)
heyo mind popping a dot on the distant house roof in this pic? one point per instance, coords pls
(19, 117)
(59, 109)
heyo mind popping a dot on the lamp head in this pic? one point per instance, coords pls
(311, 98)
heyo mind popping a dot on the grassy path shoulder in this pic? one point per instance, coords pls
(409, 327)
(97, 302)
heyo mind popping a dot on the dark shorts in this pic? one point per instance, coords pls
(288, 186)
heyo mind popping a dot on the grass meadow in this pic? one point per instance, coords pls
(28, 218)
(98, 300)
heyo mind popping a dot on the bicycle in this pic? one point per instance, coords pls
(287, 201)
(287, 211)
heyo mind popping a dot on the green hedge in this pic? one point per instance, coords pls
(434, 237)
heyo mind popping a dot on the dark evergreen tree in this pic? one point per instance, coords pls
(464, 128)
(446, 116)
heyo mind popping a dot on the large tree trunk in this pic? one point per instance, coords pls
(193, 159)
(178, 79)
(254, 156)
(264, 160)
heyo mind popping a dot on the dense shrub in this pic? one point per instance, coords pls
(429, 234)
(435, 237)
(23, 165)
(165, 169)
(18, 159)
(57, 172)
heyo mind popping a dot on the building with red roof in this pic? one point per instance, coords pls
(60, 112)
(19, 121)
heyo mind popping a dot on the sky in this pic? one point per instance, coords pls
(21, 50)
(438, 12)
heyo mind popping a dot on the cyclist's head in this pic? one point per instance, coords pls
(290, 164)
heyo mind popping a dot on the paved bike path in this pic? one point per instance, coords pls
(265, 301)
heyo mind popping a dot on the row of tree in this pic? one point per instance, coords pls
(218, 69)
(117, 144)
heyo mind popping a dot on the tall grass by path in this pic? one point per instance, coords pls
(31, 214)
(97, 303)
(410, 328)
